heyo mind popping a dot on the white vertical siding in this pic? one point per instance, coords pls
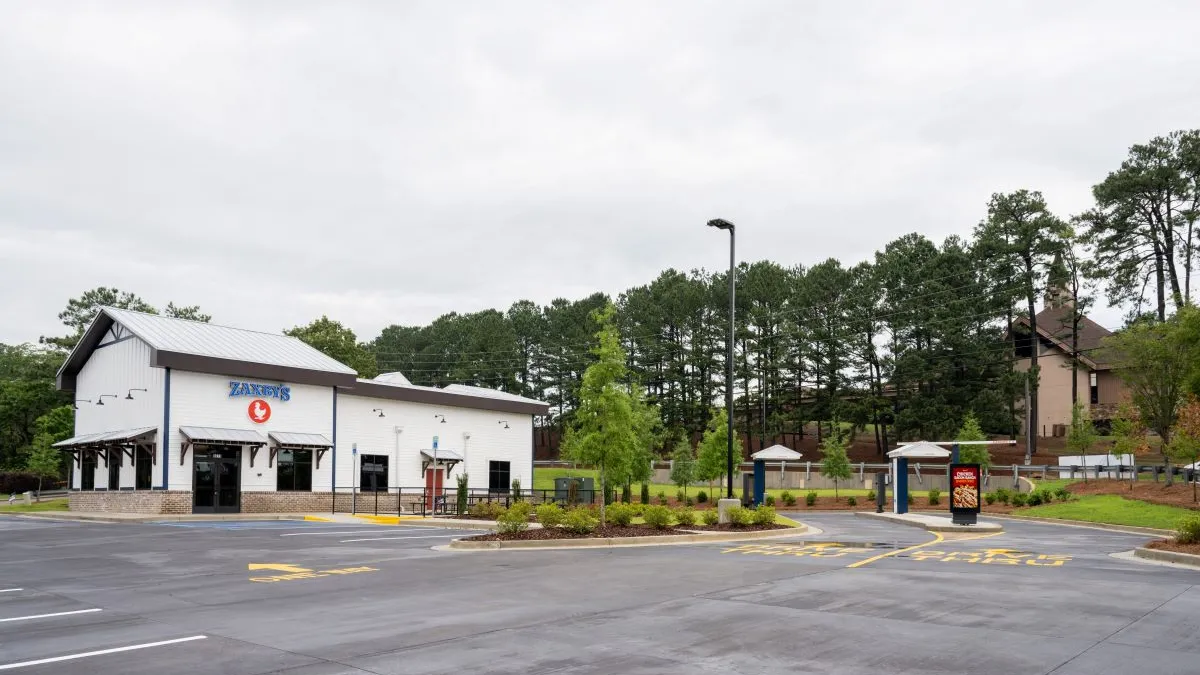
(203, 400)
(115, 369)
(488, 440)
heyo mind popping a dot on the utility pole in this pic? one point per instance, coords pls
(726, 225)
(1028, 427)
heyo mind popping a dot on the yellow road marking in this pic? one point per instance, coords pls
(975, 536)
(294, 572)
(277, 567)
(937, 537)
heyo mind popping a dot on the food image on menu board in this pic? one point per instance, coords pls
(964, 492)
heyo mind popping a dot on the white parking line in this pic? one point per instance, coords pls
(420, 536)
(84, 655)
(47, 616)
(10, 590)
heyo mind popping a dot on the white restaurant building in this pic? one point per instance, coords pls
(178, 416)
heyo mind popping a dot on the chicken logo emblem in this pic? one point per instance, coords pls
(259, 411)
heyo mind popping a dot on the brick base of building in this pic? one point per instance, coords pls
(180, 501)
(131, 501)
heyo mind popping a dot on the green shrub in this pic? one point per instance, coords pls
(489, 510)
(658, 517)
(935, 496)
(990, 498)
(581, 521)
(870, 495)
(679, 496)
(550, 515)
(1063, 494)
(810, 499)
(689, 502)
(701, 497)
(851, 501)
(710, 517)
(1017, 499)
(645, 493)
(740, 516)
(639, 509)
(769, 501)
(1003, 495)
(620, 514)
(1046, 495)
(911, 499)
(662, 497)
(1189, 531)
(788, 498)
(517, 495)
(1035, 498)
(461, 495)
(514, 519)
(685, 516)
(764, 515)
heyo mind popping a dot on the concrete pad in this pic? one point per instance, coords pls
(930, 522)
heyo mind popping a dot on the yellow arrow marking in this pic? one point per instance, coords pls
(277, 567)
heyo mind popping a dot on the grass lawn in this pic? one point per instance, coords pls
(45, 505)
(1113, 510)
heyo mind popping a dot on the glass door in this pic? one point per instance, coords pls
(216, 482)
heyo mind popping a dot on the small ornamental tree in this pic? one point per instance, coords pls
(1082, 434)
(713, 451)
(44, 461)
(683, 466)
(1185, 441)
(973, 454)
(835, 465)
(1129, 436)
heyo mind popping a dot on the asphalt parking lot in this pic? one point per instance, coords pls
(331, 599)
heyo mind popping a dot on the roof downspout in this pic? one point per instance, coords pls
(166, 430)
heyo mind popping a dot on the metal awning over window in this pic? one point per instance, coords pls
(218, 436)
(126, 440)
(293, 440)
(444, 457)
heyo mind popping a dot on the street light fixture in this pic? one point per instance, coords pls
(443, 418)
(504, 422)
(378, 410)
(129, 394)
(722, 224)
(75, 405)
(100, 400)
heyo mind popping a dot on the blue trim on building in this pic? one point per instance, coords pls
(166, 430)
(901, 490)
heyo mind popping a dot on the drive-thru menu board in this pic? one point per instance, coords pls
(964, 492)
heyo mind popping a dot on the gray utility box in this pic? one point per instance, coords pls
(585, 488)
(747, 489)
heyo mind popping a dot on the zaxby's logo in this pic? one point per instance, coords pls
(259, 411)
(277, 391)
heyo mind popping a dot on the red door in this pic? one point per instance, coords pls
(433, 486)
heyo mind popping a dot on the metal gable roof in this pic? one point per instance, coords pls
(208, 348)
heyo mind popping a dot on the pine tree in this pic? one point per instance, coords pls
(973, 454)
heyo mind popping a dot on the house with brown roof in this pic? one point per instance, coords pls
(1098, 386)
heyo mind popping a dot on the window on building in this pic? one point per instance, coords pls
(373, 476)
(141, 474)
(498, 476)
(293, 471)
(87, 470)
(115, 459)
(1095, 388)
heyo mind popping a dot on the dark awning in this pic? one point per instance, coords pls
(295, 440)
(217, 435)
(106, 439)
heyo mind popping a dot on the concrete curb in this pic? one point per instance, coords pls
(1167, 556)
(947, 528)
(160, 517)
(610, 542)
(1126, 529)
(489, 525)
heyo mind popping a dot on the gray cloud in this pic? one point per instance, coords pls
(388, 162)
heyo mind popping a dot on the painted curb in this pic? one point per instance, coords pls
(610, 542)
(1167, 556)
(488, 525)
(1126, 529)
(945, 529)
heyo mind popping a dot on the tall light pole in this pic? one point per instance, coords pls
(726, 225)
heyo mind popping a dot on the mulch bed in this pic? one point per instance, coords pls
(546, 533)
(1170, 545)
(1179, 494)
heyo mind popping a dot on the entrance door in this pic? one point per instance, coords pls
(433, 486)
(217, 481)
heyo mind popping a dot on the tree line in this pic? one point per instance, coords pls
(906, 344)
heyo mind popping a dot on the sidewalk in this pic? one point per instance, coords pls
(343, 518)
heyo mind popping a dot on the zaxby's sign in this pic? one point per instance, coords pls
(279, 391)
(259, 411)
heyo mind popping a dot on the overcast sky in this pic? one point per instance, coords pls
(389, 162)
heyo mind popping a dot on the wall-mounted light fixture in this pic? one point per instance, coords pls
(504, 422)
(378, 410)
(129, 394)
(75, 405)
(100, 400)
(443, 418)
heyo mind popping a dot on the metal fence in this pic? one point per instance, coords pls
(424, 501)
